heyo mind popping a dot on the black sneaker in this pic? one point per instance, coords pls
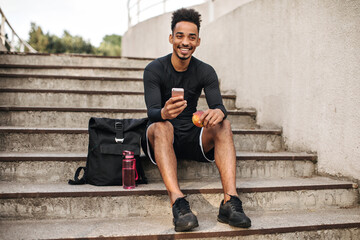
(232, 213)
(184, 219)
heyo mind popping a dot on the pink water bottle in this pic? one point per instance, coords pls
(129, 173)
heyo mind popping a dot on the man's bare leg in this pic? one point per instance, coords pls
(161, 135)
(221, 138)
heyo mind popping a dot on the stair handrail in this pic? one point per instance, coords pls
(11, 43)
(140, 10)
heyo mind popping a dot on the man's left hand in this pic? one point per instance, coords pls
(211, 117)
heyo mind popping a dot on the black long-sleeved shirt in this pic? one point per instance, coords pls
(160, 77)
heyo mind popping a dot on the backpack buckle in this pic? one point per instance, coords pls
(119, 138)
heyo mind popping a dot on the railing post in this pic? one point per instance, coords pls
(164, 6)
(12, 48)
(138, 11)
(211, 10)
(2, 31)
(129, 15)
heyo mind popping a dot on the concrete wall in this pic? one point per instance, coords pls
(297, 62)
(151, 38)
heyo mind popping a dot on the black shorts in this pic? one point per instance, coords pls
(187, 144)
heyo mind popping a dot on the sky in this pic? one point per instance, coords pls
(90, 19)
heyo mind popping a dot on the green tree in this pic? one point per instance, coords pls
(76, 44)
(48, 43)
(55, 45)
(110, 46)
(37, 39)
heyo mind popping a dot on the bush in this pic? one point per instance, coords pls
(47, 43)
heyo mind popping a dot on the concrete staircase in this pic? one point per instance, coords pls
(45, 104)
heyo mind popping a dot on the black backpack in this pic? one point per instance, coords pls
(108, 138)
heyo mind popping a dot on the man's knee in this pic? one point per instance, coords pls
(223, 128)
(162, 130)
(220, 132)
(226, 126)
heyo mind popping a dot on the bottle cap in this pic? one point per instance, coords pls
(126, 152)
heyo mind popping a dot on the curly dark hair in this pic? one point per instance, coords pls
(188, 15)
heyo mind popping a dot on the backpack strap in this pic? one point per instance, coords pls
(76, 180)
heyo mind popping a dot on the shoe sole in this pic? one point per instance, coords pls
(189, 227)
(225, 220)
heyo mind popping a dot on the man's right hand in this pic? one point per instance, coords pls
(173, 107)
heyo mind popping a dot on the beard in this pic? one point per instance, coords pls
(183, 58)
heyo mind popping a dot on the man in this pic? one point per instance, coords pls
(171, 133)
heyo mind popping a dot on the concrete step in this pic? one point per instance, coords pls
(320, 224)
(71, 60)
(79, 117)
(36, 81)
(90, 71)
(23, 139)
(87, 99)
(63, 201)
(60, 167)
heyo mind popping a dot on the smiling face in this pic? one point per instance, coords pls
(185, 39)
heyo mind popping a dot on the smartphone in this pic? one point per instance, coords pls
(177, 92)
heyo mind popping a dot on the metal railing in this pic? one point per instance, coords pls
(16, 44)
(140, 10)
